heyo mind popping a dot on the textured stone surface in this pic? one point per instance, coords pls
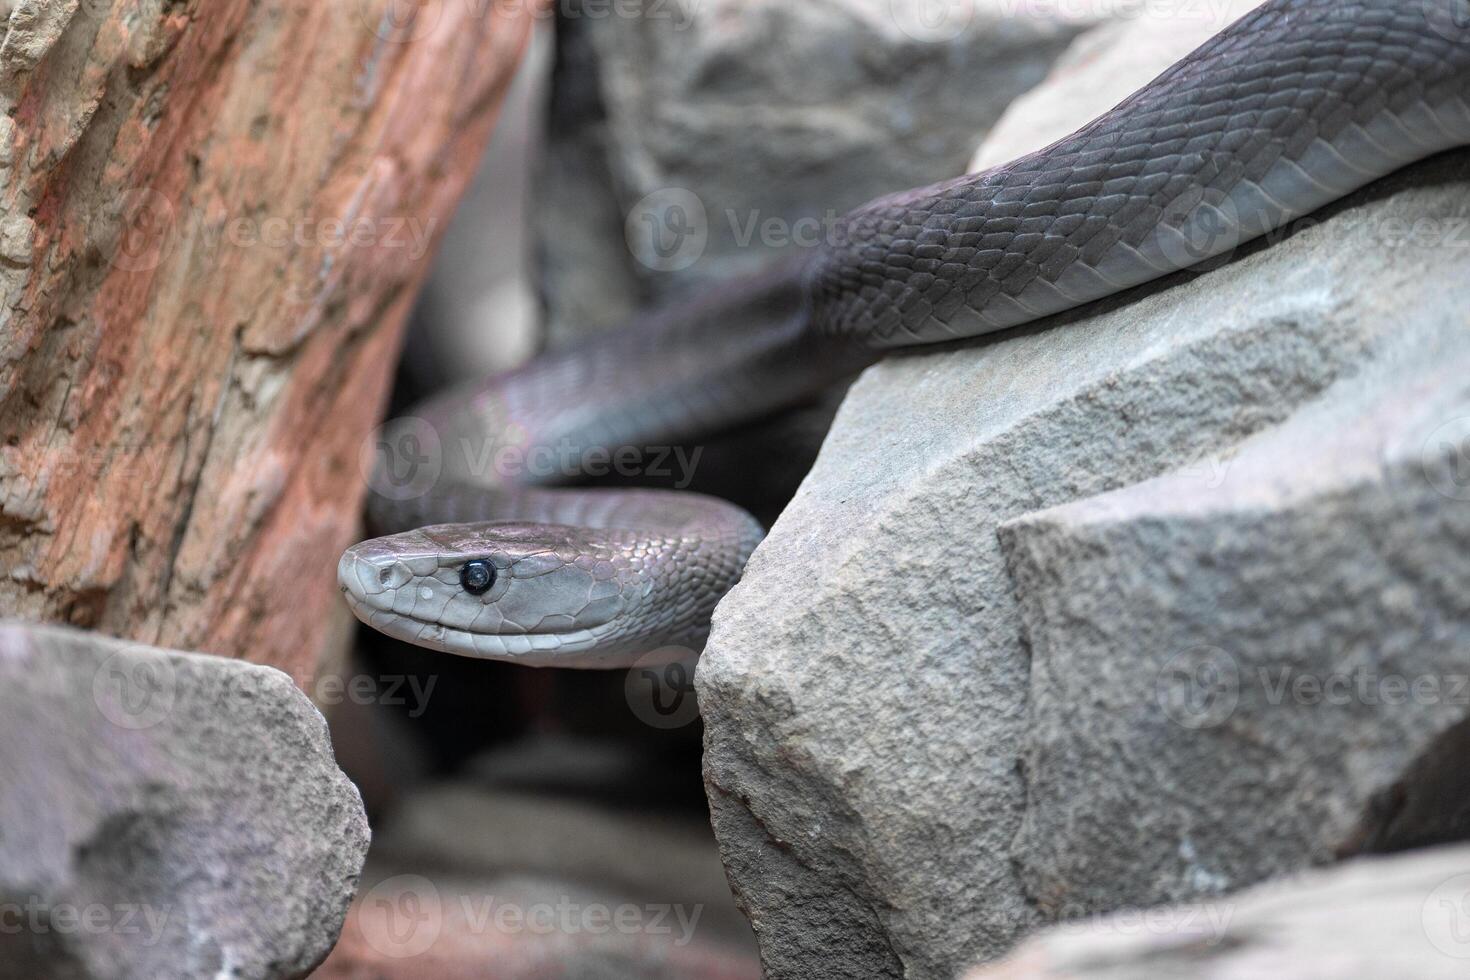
(1277, 645)
(215, 219)
(1407, 916)
(866, 687)
(492, 884)
(165, 815)
(754, 125)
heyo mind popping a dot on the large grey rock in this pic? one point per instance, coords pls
(1407, 916)
(867, 687)
(733, 130)
(165, 815)
(1233, 677)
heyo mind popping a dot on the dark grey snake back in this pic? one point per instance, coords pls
(1292, 107)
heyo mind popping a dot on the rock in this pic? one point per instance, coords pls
(165, 815)
(539, 884)
(868, 687)
(1278, 643)
(726, 131)
(1406, 916)
(1102, 68)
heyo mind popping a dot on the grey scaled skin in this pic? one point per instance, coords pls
(1292, 107)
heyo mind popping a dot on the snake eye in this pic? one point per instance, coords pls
(477, 576)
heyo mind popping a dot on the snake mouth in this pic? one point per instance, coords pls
(537, 648)
(419, 598)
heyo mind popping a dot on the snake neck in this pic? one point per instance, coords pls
(710, 362)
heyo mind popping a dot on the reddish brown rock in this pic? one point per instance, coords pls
(215, 217)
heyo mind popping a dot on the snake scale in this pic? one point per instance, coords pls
(1290, 108)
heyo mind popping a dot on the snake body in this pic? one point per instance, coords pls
(1292, 107)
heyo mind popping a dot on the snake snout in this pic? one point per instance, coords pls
(488, 589)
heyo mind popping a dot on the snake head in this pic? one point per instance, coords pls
(525, 593)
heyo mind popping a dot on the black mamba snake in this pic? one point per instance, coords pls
(1292, 107)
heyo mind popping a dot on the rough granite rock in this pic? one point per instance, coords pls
(866, 687)
(1278, 646)
(732, 130)
(1406, 916)
(165, 815)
